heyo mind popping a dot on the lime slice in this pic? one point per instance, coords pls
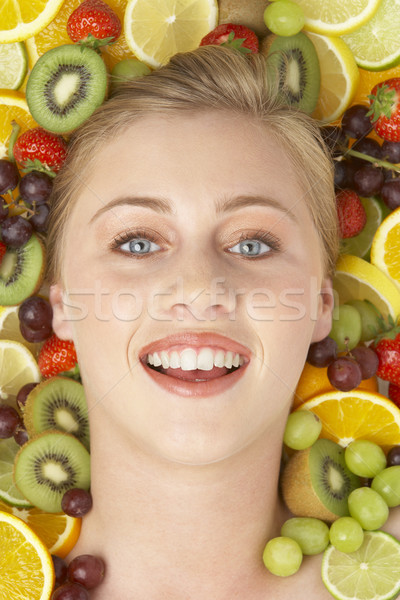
(376, 45)
(339, 77)
(370, 573)
(157, 30)
(360, 244)
(8, 492)
(17, 367)
(9, 328)
(357, 279)
(336, 17)
(13, 65)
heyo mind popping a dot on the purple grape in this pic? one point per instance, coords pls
(344, 174)
(367, 359)
(60, 570)
(36, 313)
(35, 187)
(3, 209)
(393, 457)
(9, 176)
(40, 219)
(344, 374)
(368, 180)
(24, 393)
(390, 193)
(16, 231)
(76, 502)
(87, 570)
(9, 421)
(34, 337)
(321, 354)
(70, 591)
(21, 435)
(391, 151)
(355, 122)
(365, 482)
(369, 147)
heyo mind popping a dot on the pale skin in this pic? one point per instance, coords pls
(185, 488)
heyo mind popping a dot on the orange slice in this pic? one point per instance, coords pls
(58, 531)
(368, 79)
(26, 567)
(385, 249)
(20, 19)
(314, 381)
(13, 107)
(348, 416)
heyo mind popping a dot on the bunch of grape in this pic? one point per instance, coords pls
(73, 581)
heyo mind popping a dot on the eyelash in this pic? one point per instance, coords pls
(262, 236)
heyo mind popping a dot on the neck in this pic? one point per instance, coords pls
(200, 529)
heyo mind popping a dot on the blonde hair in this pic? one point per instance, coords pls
(208, 78)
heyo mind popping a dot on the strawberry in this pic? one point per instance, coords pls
(351, 213)
(387, 347)
(40, 150)
(58, 356)
(385, 109)
(394, 393)
(3, 250)
(94, 24)
(234, 36)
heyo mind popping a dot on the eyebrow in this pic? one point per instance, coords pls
(162, 206)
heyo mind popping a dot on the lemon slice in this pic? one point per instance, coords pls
(357, 279)
(376, 45)
(8, 492)
(372, 572)
(339, 77)
(17, 367)
(385, 249)
(157, 30)
(58, 531)
(13, 107)
(336, 17)
(20, 19)
(9, 328)
(26, 567)
(13, 65)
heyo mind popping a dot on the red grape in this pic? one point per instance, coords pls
(321, 354)
(367, 146)
(76, 502)
(344, 373)
(367, 359)
(15, 231)
(23, 394)
(390, 193)
(40, 219)
(368, 180)
(9, 176)
(3, 209)
(355, 122)
(391, 151)
(87, 570)
(60, 570)
(9, 420)
(36, 313)
(21, 435)
(70, 591)
(393, 457)
(35, 187)
(33, 336)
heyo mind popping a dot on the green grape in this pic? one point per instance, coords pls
(302, 429)
(365, 458)
(346, 325)
(369, 314)
(368, 508)
(387, 484)
(311, 534)
(127, 69)
(284, 17)
(282, 556)
(346, 534)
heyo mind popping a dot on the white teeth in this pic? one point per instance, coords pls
(189, 360)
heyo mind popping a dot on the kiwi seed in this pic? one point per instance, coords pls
(21, 271)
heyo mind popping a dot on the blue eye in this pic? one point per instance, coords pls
(251, 248)
(139, 246)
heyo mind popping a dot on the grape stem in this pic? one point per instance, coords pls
(375, 161)
(13, 138)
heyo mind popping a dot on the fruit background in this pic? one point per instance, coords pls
(340, 62)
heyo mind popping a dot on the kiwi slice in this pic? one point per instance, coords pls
(295, 61)
(65, 86)
(21, 271)
(58, 403)
(316, 482)
(48, 465)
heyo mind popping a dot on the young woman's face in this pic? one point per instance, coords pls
(191, 241)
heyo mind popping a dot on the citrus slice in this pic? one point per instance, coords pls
(314, 381)
(369, 79)
(20, 19)
(10, 330)
(156, 31)
(357, 279)
(339, 77)
(8, 492)
(336, 17)
(360, 244)
(58, 531)
(17, 367)
(13, 65)
(26, 567)
(348, 416)
(13, 107)
(370, 573)
(376, 44)
(385, 249)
